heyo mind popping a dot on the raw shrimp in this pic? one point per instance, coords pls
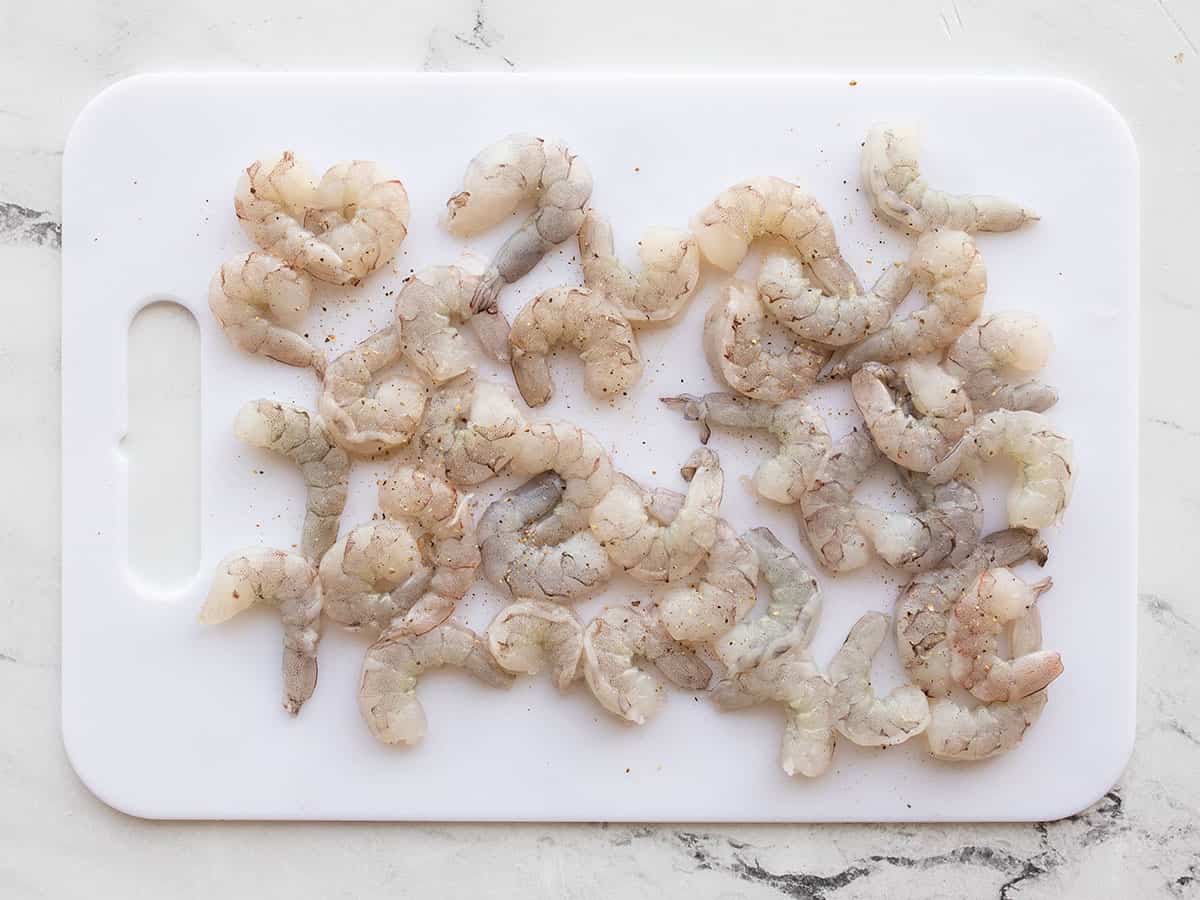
(339, 230)
(1003, 343)
(949, 265)
(366, 422)
(584, 320)
(803, 440)
(1042, 488)
(887, 402)
(529, 633)
(994, 599)
(259, 302)
(446, 522)
(898, 193)
(771, 206)
(559, 564)
(578, 457)
(791, 617)
(372, 576)
(669, 277)
(865, 719)
(736, 344)
(810, 313)
(943, 531)
(611, 643)
(923, 607)
(387, 693)
(959, 733)
(282, 579)
(502, 175)
(429, 306)
(827, 504)
(302, 438)
(469, 430)
(655, 551)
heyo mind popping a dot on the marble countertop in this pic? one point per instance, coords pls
(1142, 839)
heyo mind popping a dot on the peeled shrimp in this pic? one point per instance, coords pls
(669, 277)
(922, 609)
(897, 192)
(1007, 342)
(735, 342)
(469, 430)
(387, 693)
(558, 564)
(259, 302)
(372, 576)
(303, 439)
(1042, 488)
(529, 633)
(651, 550)
(611, 643)
(958, 733)
(949, 265)
(446, 522)
(339, 230)
(771, 206)
(827, 504)
(865, 719)
(366, 422)
(282, 579)
(584, 320)
(994, 599)
(803, 440)
(833, 321)
(887, 401)
(428, 308)
(577, 456)
(502, 175)
(943, 531)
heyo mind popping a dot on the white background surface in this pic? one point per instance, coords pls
(60, 841)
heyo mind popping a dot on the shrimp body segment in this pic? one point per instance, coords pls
(944, 530)
(993, 357)
(259, 575)
(891, 177)
(827, 507)
(470, 430)
(528, 634)
(372, 576)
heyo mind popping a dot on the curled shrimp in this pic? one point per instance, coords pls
(989, 351)
(669, 277)
(771, 206)
(803, 440)
(944, 530)
(502, 175)
(445, 521)
(387, 693)
(577, 456)
(557, 563)
(1042, 488)
(372, 576)
(428, 308)
(287, 581)
(950, 266)
(737, 348)
(339, 230)
(651, 550)
(888, 400)
(618, 636)
(865, 719)
(582, 319)
(922, 609)
(366, 421)
(892, 179)
(994, 599)
(961, 734)
(832, 321)
(259, 301)
(470, 430)
(302, 438)
(827, 504)
(723, 591)
(529, 633)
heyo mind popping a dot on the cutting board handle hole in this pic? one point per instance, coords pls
(162, 445)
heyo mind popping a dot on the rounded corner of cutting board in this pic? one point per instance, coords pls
(97, 778)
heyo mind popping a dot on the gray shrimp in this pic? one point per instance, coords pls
(944, 530)
(996, 347)
(302, 437)
(284, 580)
(827, 505)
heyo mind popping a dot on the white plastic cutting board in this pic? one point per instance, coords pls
(163, 717)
